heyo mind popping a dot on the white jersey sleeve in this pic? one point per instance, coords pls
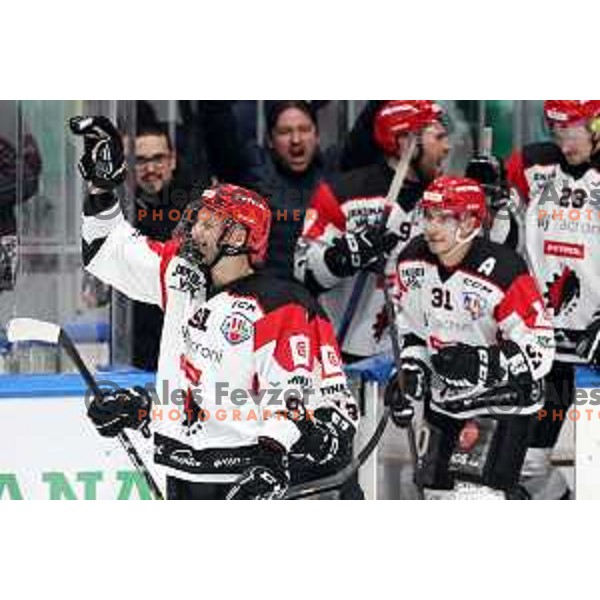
(120, 256)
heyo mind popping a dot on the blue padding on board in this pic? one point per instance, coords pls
(89, 332)
(66, 384)
(586, 377)
(377, 369)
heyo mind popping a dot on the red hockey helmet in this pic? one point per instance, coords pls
(403, 116)
(244, 207)
(458, 195)
(569, 113)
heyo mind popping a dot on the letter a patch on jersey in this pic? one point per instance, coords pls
(236, 328)
(487, 266)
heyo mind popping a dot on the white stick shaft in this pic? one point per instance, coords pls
(402, 169)
(32, 330)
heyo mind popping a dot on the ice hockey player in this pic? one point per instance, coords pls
(556, 184)
(346, 231)
(475, 345)
(254, 360)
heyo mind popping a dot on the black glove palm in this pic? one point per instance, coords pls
(103, 160)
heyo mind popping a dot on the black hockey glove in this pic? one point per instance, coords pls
(103, 160)
(463, 366)
(267, 480)
(364, 249)
(489, 172)
(326, 442)
(588, 346)
(413, 385)
(119, 409)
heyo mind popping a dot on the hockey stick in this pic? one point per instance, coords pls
(32, 330)
(361, 279)
(337, 480)
(412, 438)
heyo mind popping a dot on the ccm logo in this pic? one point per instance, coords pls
(562, 249)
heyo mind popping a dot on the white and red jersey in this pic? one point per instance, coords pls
(561, 229)
(229, 358)
(346, 204)
(489, 299)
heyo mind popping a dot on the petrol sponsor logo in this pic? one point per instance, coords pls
(564, 249)
(237, 328)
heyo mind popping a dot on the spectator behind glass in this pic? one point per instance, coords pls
(286, 172)
(9, 188)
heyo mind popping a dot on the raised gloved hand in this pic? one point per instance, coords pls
(268, 479)
(489, 172)
(588, 346)
(462, 366)
(116, 410)
(363, 249)
(103, 160)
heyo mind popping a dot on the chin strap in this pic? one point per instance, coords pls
(226, 249)
(460, 242)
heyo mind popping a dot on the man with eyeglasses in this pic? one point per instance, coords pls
(160, 197)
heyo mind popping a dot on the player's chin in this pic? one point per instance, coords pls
(435, 246)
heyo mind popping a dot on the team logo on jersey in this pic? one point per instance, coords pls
(236, 328)
(474, 304)
(563, 292)
(187, 280)
(411, 277)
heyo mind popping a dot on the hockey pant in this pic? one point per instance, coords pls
(179, 489)
(486, 451)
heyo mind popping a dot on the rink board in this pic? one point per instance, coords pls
(585, 414)
(49, 449)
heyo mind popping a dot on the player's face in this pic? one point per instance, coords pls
(294, 139)
(436, 146)
(440, 230)
(154, 163)
(207, 233)
(575, 143)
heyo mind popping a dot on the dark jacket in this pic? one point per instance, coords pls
(288, 195)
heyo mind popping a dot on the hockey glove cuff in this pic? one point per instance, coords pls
(268, 479)
(357, 251)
